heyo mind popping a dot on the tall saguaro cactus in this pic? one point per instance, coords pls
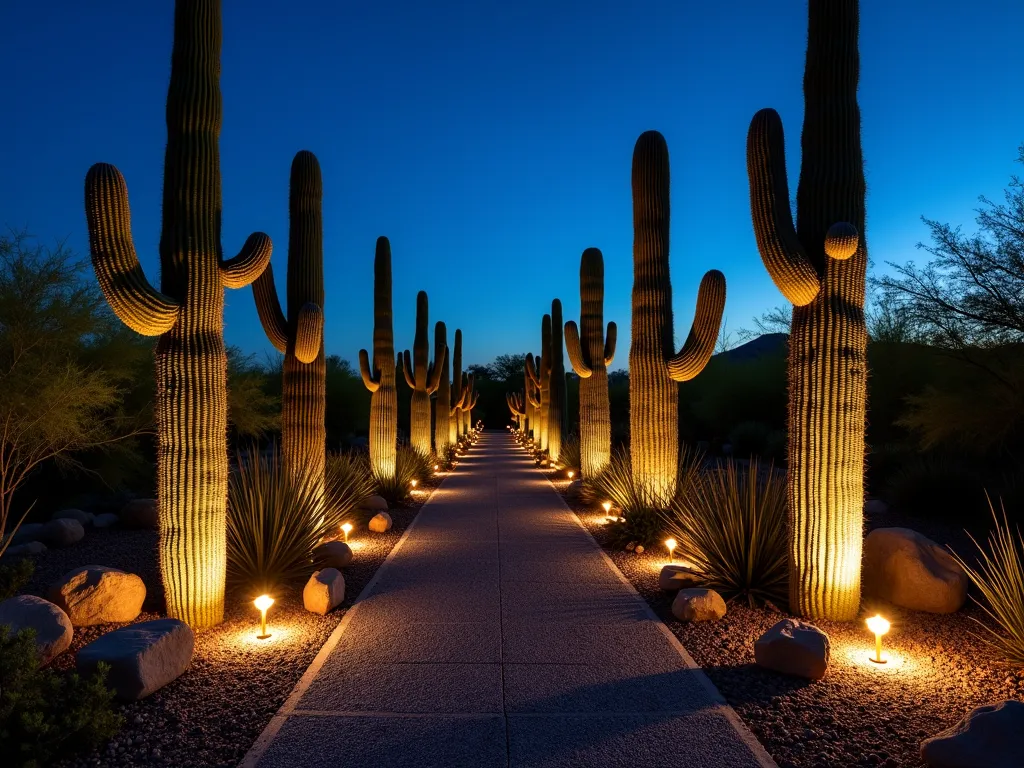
(468, 404)
(380, 378)
(653, 368)
(300, 334)
(820, 267)
(187, 313)
(422, 377)
(540, 370)
(515, 406)
(529, 401)
(556, 385)
(442, 410)
(458, 391)
(590, 354)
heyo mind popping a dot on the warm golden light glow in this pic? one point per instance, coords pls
(571, 474)
(263, 602)
(670, 544)
(879, 626)
(437, 467)
(414, 483)
(607, 506)
(346, 529)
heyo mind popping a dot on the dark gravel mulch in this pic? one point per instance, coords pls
(861, 714)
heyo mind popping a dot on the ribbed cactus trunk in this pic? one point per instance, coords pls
(300, 335)
(556, 385)
(457, 391)
(528, 410)
(590, 356)
(653, 395)
(422, 378)
(442, 408)
(820, 266)
(380, 379)
(187, 313)
(544, 381)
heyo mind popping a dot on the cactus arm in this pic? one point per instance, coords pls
(371, 379)
(309, 333)
(842, 241)
(783, 255)
(434, 374)
(531, 370)
(472, 404)
(572, 344)
(269, 309)
(138, 305)
(460, 405)
(407, 369)
(700, 344)
(250, 262)
(514, 405)
(534, 400)
(609, 344)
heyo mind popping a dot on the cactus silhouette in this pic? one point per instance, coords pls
(187, 313)
(442, 408)
(556, 385)
(380, 378)
(653, 368)
(300, 334)
(590, 355)
(458, 390)
(820, 267)
(422, 377)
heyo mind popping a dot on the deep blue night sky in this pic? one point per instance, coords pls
(491, 141)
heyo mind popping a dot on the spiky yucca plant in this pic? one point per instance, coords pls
(348, 482)
(410, 464)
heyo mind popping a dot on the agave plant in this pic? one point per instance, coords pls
(732, 528)
(999, 576)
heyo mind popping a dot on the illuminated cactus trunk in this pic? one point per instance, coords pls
(187, 314)
(532, 392)
(458, 391)
(556, 385)
(528, 414)
(380, 379)
(422, 378)
(515, 406)
(540, 370)
(300, 335)
(653, 369)
(590, 355)
(442, 408)
(820, 267)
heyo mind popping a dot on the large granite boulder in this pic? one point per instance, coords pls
(574, 490)
(324, 591)
(141, 513)
(95, 594)
(698, 605)
(143, 657)
(674, 577)
(374, 504)
(988, 737)
(380, 523)
(794, 647)
(85, 518)
(333, 554)
(912, 571)
(52, 626)
(63, 533)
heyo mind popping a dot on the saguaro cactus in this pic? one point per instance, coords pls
(528, 403)
(300, 335)
(556, 385)
(590, 354)
(443, 409)
(422, 378)
(539, 370)
(515, 405)
(468, 404)
(458, 391)
(820, 267)
(653, 369)
(187, 313)
(380, 379)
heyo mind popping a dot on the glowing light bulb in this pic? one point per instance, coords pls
(670, 544)
(346, 529)
(436, 467)
(879, 626)
(607, 506)
(414, 483)
(571, 474)
(263, 602)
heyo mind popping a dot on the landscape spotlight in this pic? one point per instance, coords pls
(414, 483)
(879, 626)
(670, 544)
(571, 473)
(263, 602)
(607, 506)
(346, 529)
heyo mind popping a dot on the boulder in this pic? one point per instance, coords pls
(875, 507)
(324, 591)
(106, 520)
(143, 657)
(574, 489)
(85, 518)
(25, 550)
(380, 522)
(794, 647)
(912, 571)
(333, 554)
(29, 532)
(698, 605)
(988, 737)
(95, 594)
(674, 577)
(141, 513)
(52, 626)
(64, 532)
(374, 504)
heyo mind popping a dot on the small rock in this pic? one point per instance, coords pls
(29, 532)
(675, 577)
(333, 554)
(374, 504)
(141, 513)
(875, 507)
(575, 489)
(143, 657)
(794, 647)
(64, 532)
(85, 518)
(52, 626)
(631, 546)
(988, 737)
(910, 570)
(106, 520)
(24, 550)
(324, 591)
(380, 522)
(698, 605)
(95, 594)
(639, 549)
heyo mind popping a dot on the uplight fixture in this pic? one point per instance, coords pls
(879, 626)
(346, 529)
(670, 544)
(263, 602)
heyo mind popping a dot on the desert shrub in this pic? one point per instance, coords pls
(999, 577)
(14, 576)
(410, 465)
(348, 482)
(732, 527)
(936, 487)
(45, 714)
(569, 458)
(448, 456)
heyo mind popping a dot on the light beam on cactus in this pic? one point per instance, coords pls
(422, 377)
(442, 408)
(556, 385)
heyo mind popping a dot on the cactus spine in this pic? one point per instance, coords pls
(653, 369)
(422, 378)
(820, 267)
(556, 385)
(380, 379)
(458, 391)
(300, 335)
(442, 409)
(187, 314)
(590, 354)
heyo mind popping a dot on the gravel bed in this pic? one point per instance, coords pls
(860, 714)
(212, 714)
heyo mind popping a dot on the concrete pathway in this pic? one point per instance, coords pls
(499, 634)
